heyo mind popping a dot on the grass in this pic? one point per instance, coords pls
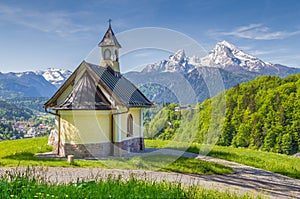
(277, 163)
(21, 153)
(22, 186)
(169, 163)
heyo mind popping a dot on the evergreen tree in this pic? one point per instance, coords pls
(287, 143)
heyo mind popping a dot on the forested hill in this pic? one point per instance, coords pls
(21, 108)
(11, 111)
(263, 114)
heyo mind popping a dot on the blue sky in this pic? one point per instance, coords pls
(38, 34)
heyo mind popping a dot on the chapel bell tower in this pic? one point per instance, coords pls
(110, 50)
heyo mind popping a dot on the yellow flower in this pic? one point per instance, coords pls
(67, 196)
(12, 196)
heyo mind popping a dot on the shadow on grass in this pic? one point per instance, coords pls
(223, 155)
(193, 149)
(27, 156)
(194, 166)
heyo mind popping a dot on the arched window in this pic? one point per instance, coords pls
(129, 126)
(107, 54)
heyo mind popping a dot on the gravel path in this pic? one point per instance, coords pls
(269, 183)
(244, 179)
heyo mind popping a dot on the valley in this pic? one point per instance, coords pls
(24, 118)
(262, 114)
(150, 99)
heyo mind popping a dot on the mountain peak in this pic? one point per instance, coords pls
(227, 56)
(227, 44)
(178, 56)
(55, 76)
(178, 62)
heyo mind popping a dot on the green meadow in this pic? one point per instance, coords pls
(278, 163)
(21, 153)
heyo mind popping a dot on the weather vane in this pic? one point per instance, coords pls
(109, 21)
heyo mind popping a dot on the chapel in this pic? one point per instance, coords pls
(98, 112)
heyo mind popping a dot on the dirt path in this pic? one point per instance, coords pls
(245, 179)
(269, 183)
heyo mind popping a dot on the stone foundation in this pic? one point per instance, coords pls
(98, 150)
(129, 146)
(95, 150)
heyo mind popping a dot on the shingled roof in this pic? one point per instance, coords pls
(87, 95)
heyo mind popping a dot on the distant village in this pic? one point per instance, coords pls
(24, 129)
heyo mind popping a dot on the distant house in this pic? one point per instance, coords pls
(183, 107)
(98, 111)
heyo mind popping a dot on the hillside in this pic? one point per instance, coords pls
(19, 116)
(261, 114)
(11, 111)
(167, 87)
(22, 107)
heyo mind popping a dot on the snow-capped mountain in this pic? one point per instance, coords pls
(227, 56)
(43, 83)
(224, 55)
(24, 84)
(55, 76)
(234, 65)
(178, 62)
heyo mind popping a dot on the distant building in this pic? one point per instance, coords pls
(98, 111)
(183, 107)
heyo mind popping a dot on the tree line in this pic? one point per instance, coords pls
(262, 114)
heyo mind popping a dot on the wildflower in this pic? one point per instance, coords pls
(12, 196)
(67, 196)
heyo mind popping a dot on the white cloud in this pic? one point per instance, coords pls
(266, 52)
(259, 32)
(61, 23)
